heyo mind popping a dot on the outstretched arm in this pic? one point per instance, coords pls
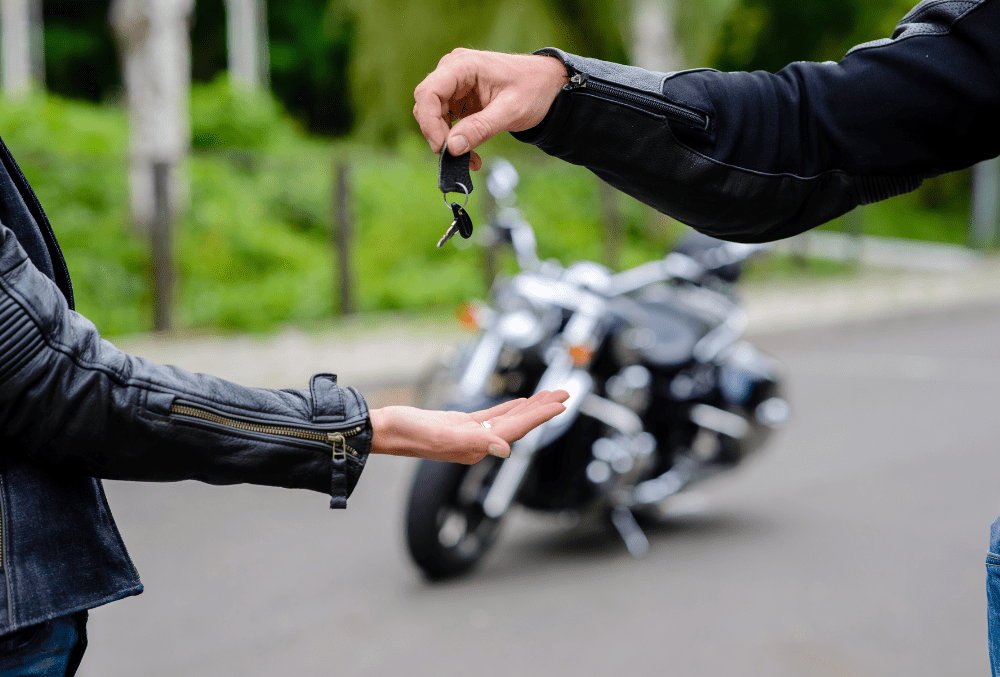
(75, 403)
(753, 156)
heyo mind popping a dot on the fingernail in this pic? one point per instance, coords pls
(497, 450)
(431, 144)
(459, 144)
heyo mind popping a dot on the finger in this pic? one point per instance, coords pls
(431, 111)
(514, 428)
(541, 397)
(453, 78)
(475, 162)
(471, 131)
(499, 410)
(498, 447)
(432, 122)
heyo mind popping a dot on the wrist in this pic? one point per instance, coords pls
(380, 430)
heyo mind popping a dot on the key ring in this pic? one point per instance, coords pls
(445, 196)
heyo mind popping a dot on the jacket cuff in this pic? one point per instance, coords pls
(347, 409)
(538, 134)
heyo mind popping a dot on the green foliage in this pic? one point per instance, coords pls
(253, 248)
(397, 43)
(938, 211)
(770, 34)
(308, 66)
(81, 58)
(222, 117)
(308, 58)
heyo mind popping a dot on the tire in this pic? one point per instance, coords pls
(447, 532)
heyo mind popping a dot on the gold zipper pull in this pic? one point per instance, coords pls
(334, 438)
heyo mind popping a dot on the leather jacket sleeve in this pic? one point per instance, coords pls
(758, 156)
(75, 403)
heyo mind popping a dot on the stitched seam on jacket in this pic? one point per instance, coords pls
(50, 341)
(76, 359)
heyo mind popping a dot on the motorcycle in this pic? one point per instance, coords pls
(663, 393)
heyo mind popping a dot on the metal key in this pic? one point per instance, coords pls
(462, 224)
(450, 233)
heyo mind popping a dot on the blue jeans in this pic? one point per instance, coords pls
(993, 596)
(52, 649)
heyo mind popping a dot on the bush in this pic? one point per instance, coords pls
(253, 248)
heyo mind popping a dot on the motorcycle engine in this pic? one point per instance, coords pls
(620, 462)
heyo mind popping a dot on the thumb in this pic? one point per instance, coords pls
(499, 448)
(471, 131)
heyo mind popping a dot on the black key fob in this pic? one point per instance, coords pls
(454, 177)
(462, 220)
(453, 172)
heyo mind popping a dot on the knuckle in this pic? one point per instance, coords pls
(481, 127)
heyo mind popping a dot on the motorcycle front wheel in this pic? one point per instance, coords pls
(447, 531)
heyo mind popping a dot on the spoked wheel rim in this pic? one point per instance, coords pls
(462, 526)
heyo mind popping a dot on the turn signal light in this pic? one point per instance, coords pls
(466, 316)
(581, 354)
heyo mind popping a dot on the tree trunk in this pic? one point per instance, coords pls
(985, 221)
(156, 53)
(614, 231)
(246, 37)
(343, 232)
(36, 43)
(16, 27)
(654, 47)
(654, 39)
(162, 249)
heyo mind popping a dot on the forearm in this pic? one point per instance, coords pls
(75, 403)
(756, 156)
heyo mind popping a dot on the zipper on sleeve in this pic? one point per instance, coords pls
(584, 81)
(337, 441)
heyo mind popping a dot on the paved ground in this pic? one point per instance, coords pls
(853, 546)
(392, 349)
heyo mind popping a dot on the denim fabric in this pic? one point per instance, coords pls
(51, 649)
(993, 597)
(61, 550)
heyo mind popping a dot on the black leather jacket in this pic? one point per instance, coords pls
(759, 156)
(74, 408)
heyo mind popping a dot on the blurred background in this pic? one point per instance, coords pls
(282, 93)
(245, 178)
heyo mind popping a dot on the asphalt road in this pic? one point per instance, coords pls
(854, 545)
